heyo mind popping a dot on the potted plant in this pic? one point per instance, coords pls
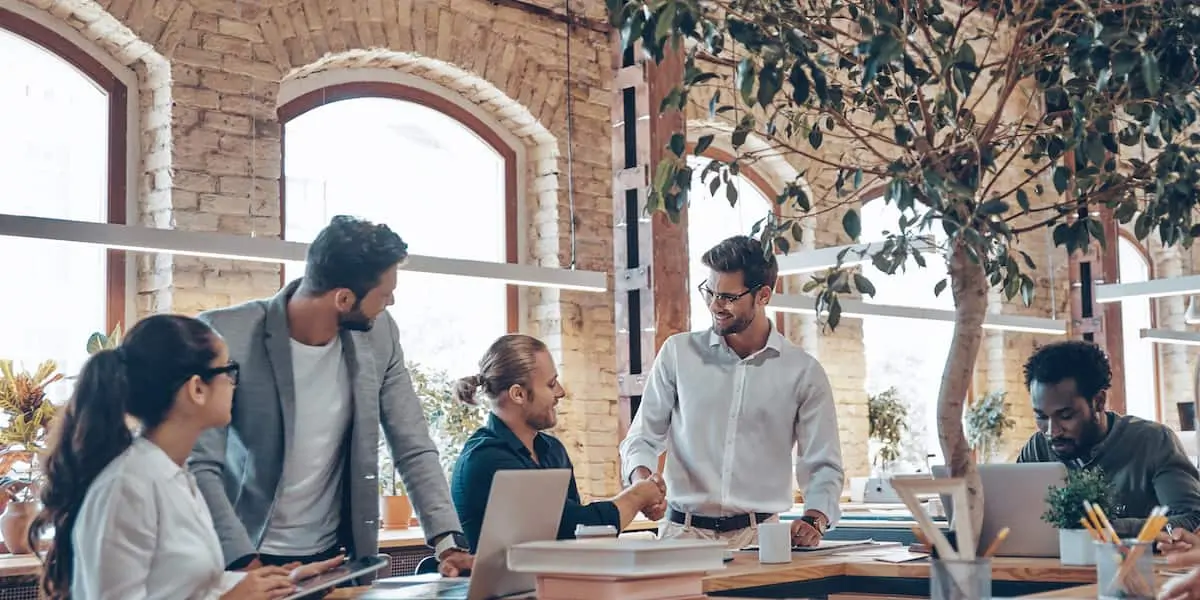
(985, 421)
(989, 121)
(887, 418)
(395, 508)
(1065, 509)
(28, 413)
(450, 422)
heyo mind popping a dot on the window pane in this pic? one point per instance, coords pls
(54, 163)
(1141, 391)
(892, 360)
(710, 220)
(434, 182)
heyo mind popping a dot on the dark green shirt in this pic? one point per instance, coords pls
(1147, 466)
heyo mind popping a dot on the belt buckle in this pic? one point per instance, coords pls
(719, 524)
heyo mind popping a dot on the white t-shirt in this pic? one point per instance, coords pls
(308, 503)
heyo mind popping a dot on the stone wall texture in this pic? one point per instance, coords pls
(210, 74)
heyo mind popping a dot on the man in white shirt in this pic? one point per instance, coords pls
(729, 404)
(294, 477)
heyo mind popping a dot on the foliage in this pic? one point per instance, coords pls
(986, 421)
(887, 417)
(1064, 505)
(99, 341)
(450, 424)
(23, 404)
(1099, 99)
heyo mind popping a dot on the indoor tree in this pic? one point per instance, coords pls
(987, 120)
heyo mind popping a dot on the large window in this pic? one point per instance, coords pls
(893, 358)
(435, 180)
(711, 219)
(62, 144)
(1141, 382)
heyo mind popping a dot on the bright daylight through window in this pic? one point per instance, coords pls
(711, 219)
(54, 163)
(892, 358)
(434, 182)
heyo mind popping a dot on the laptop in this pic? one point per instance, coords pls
(1014, 497)
(523, 506)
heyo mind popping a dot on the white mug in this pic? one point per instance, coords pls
(774, 542)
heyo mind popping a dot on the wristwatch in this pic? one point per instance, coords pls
(818, 524)
(451, 541)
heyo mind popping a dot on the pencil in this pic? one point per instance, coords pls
(995, 545)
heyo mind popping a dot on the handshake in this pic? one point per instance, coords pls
(647, 494)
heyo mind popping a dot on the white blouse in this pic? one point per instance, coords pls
(144, 532)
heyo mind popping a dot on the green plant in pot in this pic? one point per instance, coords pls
(29, 413)
(986, 421)
(450, 422)
(887, 418)
(395, 508)
(1065, 511)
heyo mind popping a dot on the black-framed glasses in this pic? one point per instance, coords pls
(710, 295)
(231, 370)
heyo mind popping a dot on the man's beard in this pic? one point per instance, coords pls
(1083, 446)
(736, 325)
(355, 321)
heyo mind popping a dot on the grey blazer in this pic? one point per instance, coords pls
(238, 467)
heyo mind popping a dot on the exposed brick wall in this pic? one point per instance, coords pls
(209, 75)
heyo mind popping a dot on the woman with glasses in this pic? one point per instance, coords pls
(129, 522)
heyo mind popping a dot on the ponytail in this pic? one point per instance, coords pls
(465, 389)
(87, 435)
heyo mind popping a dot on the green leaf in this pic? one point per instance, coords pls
(993, 207)
(902, 134)
(864, 285)
(745, 80)
(852, 223)
(703, 143)
(815, 137)
(666, 22)
(943, 27)
(769, 82)
(800, 83)
(835, 313)
(1150, 74)
(1023, 200)
(1062, 178)
(939, 287)
(678, 144)
(797, 231)
(95, 343)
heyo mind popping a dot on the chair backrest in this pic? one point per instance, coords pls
(428, 565)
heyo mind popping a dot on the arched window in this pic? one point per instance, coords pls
(62, 155)
(1141, 380)
(437, 176)
(711, 219)
(892, 359)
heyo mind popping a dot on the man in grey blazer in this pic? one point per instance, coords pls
(294, 475)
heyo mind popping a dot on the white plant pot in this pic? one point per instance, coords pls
(1075, 547)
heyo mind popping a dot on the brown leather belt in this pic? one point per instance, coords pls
(718, 524)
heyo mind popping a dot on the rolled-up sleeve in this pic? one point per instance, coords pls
(818, 446)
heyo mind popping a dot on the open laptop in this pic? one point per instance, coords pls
(523, 506)
(1015, 497)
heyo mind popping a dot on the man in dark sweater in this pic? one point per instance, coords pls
(1068, 383)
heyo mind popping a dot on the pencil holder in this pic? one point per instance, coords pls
(960, 579)
(1125, 570)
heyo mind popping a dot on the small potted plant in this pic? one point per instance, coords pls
(985, 421)
(28, 413)
(1065, 510)
(887, 419)
(395, 508)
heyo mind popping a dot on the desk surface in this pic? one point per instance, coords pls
(746, 572)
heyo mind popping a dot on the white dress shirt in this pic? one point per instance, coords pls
(730, 424)
(145, 533)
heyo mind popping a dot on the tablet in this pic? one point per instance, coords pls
(346, 572)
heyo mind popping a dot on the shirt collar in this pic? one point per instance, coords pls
(774, 340)
(502, 432)
(155, 460)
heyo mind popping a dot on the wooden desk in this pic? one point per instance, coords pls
(746, 577)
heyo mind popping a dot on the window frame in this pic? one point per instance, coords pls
(116, 292)
(398, 91)
(1118, 308)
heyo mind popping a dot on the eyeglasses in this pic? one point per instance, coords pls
(232, 370)
(709, 295)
